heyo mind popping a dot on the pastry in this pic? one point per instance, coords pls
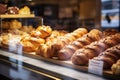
(116, 68)
(42, 32)
(108, 32)
(79, 43)
(15, 24)
(31, 44)
(5, 24)
(98, 47)
(13, 10)
(25, 10)
(109, 56)
(59, 42)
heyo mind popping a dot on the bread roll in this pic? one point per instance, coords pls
(69, 50)
(3, 8)
(109, 56)
(14, 24)
(61, 41)
(79, 43)
(13, 10)
(98, 47)
(81, 59)
(108, 32)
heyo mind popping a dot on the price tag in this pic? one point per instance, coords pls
(12, 45)
(95, 67)
(19, 48)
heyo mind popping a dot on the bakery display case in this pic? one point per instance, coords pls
(72, 50)
(30, 49)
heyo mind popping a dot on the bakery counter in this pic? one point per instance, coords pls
(21, 67)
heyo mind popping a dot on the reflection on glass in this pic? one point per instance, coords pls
(110, 13)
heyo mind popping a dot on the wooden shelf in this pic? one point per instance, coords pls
(17, 16)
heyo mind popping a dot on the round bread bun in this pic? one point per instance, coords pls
(66, 52)
(80, 59)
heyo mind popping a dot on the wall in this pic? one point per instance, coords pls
(91, 9)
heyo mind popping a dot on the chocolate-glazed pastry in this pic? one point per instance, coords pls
(13, 10)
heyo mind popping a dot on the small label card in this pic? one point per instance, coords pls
(19, 49)
(12, 45)
(95, 67)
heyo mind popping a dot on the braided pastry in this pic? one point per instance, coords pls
(61, 41)
(97, 47)
(67, 51)
(109, 56)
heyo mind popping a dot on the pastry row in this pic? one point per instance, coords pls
(29, 37)
(82, 56)
(78, 46)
